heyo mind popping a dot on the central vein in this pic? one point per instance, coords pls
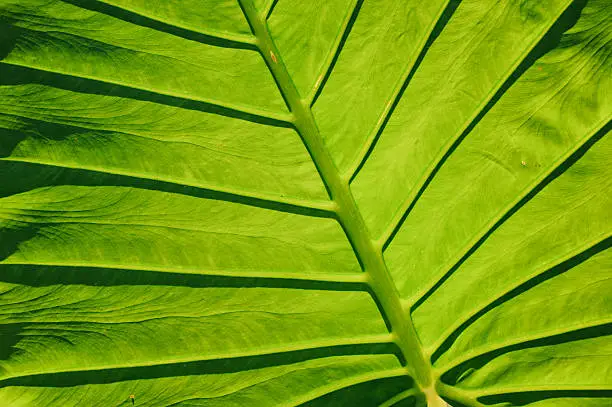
(369, 253)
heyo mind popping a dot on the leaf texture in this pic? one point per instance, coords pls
(327, 203)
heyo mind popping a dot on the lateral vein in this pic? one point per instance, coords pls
(264, 114)
(478, 352)
(263, 275)
(351, 173)
(470, 317)
(324, 345)
(221, 35)
(320, 206)
(335, 51)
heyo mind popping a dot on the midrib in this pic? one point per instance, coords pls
(367, 250)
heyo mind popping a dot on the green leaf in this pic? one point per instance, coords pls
(314, 203)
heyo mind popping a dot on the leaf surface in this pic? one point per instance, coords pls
(324, 203)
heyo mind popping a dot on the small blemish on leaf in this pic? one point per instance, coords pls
(523, 163)
(132, 398)
(273, 57)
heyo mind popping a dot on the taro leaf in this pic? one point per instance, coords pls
(318, 203)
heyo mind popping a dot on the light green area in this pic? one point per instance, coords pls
(369, 73)
(214, 17)
(532, 241)
(525, 137)
(140, 325)
(579, 365)
(305, 33)
(137, 138)
(53, 36)
(135, 228)
(282, 385)
(305, 203)
(451, 86)
(520, 319)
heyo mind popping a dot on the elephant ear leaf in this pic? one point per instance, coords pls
(393, 203)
